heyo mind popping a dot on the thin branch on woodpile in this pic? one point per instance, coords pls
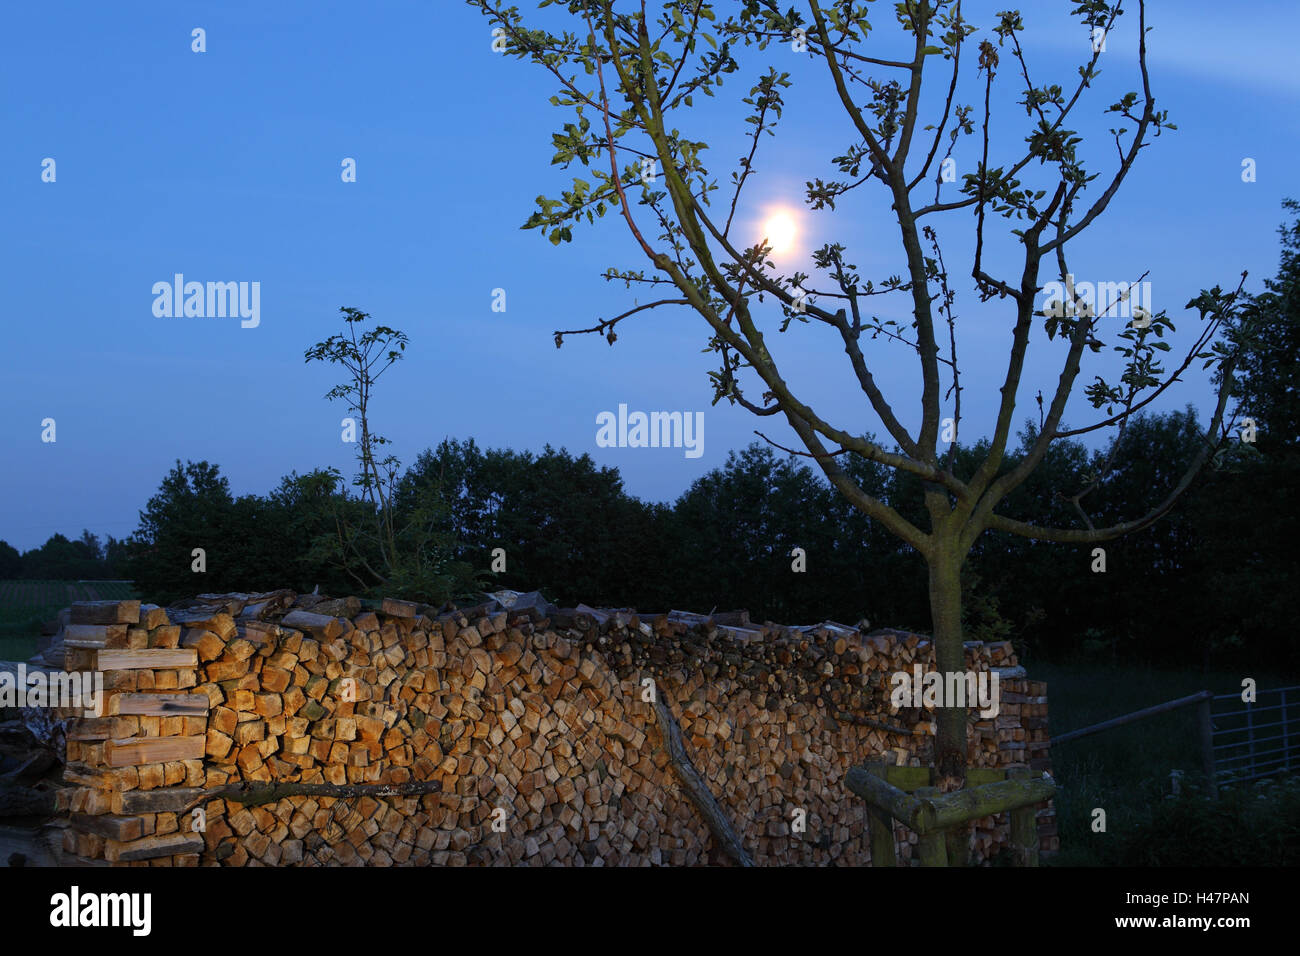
(868, 722)
(695, 787)
(252, 795)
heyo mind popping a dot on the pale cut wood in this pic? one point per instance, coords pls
(318, 625)
(133, 751)
(152, 658)
(94, 636)
(395, 608)
(151, 616)
(161, 704)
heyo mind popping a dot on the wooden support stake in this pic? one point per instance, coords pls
(881, 826)
(1024, 826)
(957, 844)
(934, 848)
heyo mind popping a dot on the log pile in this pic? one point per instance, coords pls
(489, 735)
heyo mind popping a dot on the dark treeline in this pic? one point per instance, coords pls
(64, 560)
(1209, 583)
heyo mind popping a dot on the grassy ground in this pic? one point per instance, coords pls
(25, 605)
(1126, 773)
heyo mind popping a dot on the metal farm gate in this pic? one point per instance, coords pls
(1259, 739)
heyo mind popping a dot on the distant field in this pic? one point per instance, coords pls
(24, 605)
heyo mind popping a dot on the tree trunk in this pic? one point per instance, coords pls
(950, 657)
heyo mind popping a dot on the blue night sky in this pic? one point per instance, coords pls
(225, 166)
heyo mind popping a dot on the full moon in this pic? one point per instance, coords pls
(779, 230)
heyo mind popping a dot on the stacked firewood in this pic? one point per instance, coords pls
(281, 729)
(149, 734)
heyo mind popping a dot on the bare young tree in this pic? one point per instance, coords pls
(365, 358)
(630, 75)
(401, 551)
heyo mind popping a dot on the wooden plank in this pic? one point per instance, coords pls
(681, 617)
(133, 751)
(123, 829)
(105, 612)
(94, 636)
(153, 846)
(161, 704)
(168, 800)
(89, 728)
(158, 658)
(84, 776)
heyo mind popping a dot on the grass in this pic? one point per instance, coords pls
(25, 605)
(1126, 773)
